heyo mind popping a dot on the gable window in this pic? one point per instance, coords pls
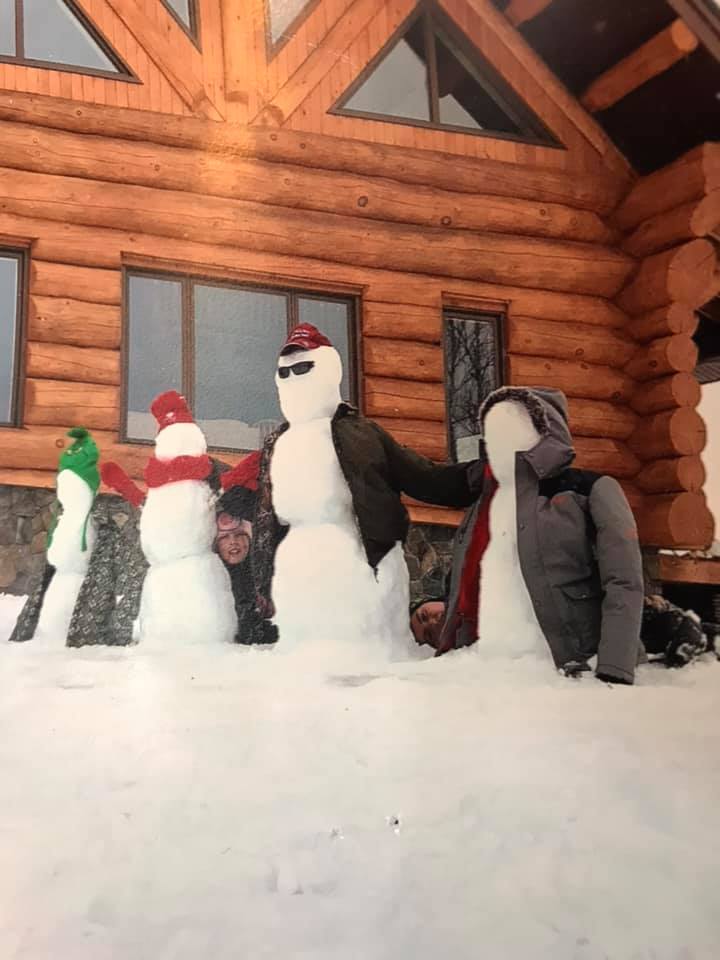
(282, 18)
(12, 272)
(218, 344)
(187, 15)
(430, 75)
(55, 33)
(473, 369)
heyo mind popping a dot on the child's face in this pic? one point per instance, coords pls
(234, 545)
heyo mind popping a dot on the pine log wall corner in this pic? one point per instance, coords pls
(226, 161)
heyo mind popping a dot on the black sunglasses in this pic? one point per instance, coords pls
(305, 366)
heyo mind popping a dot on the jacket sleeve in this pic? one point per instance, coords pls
(447, 485)
(620, 564)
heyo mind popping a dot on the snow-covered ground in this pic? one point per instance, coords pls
(232, 804)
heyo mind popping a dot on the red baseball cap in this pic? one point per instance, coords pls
(304, 337)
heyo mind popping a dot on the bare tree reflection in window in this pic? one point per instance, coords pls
(473, 370)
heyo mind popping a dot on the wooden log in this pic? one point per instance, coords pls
(678, 390)
(75, 322)
(37, 447)
(598, 418)
(605, 456)
(670, 433)
(289, 185)
(424, 436)
(439, 516)
(682, 274)
(677, 354)
(671, 474)
(673, 569)
(634, 496)
(694, 175)
(663, 322)
(649, 60)
(676, 520)
(56, 361)
(405, 321)
(410, 399)
(496, 258)
(567, 341)
(598, 192)
(585, 380)
(402, 360)
(60, 402)
(698, 218)
(28, 478)
(100, 247)
(77, 283)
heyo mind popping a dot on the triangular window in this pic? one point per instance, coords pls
(430, 75)
(283, 16)
(55, 32)
(186, 14)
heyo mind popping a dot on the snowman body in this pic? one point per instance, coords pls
(69, 554)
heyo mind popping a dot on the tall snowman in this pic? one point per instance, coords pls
(186, 596)
(72, 535)
(329, 491)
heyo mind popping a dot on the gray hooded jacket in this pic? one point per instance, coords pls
(577, 544)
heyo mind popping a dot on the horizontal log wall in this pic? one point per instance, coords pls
(403, 231)
(667, 217)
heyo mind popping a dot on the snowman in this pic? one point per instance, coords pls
(186, 596)
(71, 538)
(329, 503)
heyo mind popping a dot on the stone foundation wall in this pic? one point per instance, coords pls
(25, 516)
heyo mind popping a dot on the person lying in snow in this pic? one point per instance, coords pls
(236, 510)
(547, 562)
(669, 634)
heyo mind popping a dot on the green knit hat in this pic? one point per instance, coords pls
(82, 458)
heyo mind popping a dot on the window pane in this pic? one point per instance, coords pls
(397, 87)
(282, 14)
(181, 8)
(154, 349)
(464, 102)
(7, 28)
(472, 373)
(238, 335)
(53, 32)
(332, 319)
(9, 279)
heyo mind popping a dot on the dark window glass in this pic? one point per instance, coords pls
(398, 87)
(282, 14)
(7, 28)
(473, 370)
(52, 32)
(218, 344)
(154, 348)
(10, 309)
(432, 76)
(238, 334)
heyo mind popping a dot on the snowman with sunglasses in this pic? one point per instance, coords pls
(327, 555)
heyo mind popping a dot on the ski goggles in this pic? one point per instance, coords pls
(305, 366)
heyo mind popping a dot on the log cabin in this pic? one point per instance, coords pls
(461, 193)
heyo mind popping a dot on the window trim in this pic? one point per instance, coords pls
(21, 255)
(193, 30)
(188, 280)
(272, 48)
(124, 74)
(436, 21)
(496, 317)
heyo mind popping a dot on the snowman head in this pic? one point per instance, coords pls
(308, 376)
(178, 434)
(508, 429)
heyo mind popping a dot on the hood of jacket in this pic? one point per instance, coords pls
(548, 412)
